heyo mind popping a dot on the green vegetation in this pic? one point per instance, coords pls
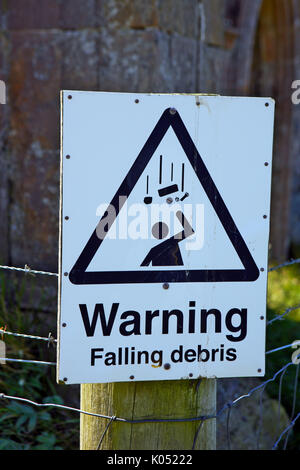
(25, 426)
(284, 293)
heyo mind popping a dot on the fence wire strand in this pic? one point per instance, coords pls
(28, 270)
(159, 420)
(294, 404)
(105, 431)
(283, 265)
(50, 339)
(283, 315)
(202, 418)
(197, 433)
(260, 424)
(287, 429)
(279, 401)
(27, 361)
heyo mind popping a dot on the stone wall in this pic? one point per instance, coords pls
(237, 47)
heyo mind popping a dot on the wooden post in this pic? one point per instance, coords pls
(144, 400)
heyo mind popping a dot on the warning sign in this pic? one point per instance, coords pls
(167, 253)
(164, 236)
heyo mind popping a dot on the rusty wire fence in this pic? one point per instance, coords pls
(281, 429)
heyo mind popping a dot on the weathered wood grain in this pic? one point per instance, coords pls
(145, 400)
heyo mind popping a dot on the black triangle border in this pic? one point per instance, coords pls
(78, 274)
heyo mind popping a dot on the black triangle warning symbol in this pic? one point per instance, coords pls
(170, 118)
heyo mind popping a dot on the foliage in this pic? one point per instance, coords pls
(283, 293)
(25, 426)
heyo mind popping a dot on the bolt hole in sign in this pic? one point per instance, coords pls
(163, 241)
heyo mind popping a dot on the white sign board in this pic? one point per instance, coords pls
(165, 207)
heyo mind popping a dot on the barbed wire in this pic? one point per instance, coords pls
(157, 420)
(27, 270)
(55, 363)
(282, 315)
(227, 407)
(50, 339)
(28, 361)
(283, 265)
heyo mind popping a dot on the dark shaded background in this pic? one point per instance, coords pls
(231, 47)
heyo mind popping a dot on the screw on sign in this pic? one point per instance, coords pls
(210, 261)
(168, 282)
